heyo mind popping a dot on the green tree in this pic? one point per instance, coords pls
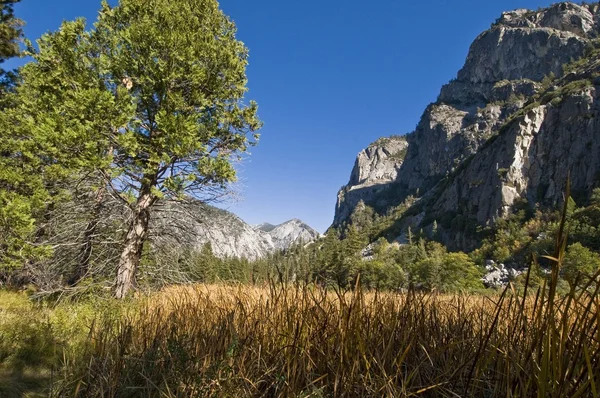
(579, 259)
(58, 125)
(11, 33)
(446, 272)
(185, 73)
(352, 247)
(329, 259)
(16, 223)
(459, 273)
(204, 265)
(381, 271)
(160, 88)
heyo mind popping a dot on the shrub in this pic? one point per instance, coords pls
(579, 260)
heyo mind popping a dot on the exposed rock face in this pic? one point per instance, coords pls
(519, 53)
(568, 17)
(290, 233)
(473, 155)
(376, 167)
(193, 224)
(530, 161)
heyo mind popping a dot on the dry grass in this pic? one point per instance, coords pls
(304, 341)
(300, 342)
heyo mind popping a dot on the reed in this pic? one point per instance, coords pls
(301, 341)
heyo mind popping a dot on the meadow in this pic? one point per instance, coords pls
(303, 341)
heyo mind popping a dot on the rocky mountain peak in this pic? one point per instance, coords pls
(289, 233)
(375, 168)
(507, 129)
(193, 224)
(567, 17)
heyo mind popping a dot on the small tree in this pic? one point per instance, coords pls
(459, 273)
(579, 259)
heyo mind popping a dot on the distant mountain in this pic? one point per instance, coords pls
(265, 227)
(192, 224)
(290, 233)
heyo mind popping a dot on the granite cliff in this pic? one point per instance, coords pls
(192, 224)
(521, 114)
(288, 234)
(375, 169)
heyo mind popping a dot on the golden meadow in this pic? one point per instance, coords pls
(294, 340)
(270, 341)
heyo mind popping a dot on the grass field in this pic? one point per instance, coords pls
(221, 341)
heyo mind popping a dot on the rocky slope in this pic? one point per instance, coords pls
(375, 169)
(508, 129)
(289, 233)
(193, 224)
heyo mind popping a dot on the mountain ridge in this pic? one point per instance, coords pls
(446, 173)
(193, 224)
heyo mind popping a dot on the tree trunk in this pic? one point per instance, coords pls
(134, 242)
(85, 253)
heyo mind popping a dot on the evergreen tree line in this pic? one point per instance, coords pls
(334, 261)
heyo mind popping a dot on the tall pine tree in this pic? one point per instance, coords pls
(152, 99)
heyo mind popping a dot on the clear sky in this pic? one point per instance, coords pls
(330, 77)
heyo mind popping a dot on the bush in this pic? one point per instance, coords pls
(579, 260)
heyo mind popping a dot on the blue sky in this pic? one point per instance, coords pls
(330, 77)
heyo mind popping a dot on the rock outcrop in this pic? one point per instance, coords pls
(508, 129)
(375, 169)
(192, 224)
(529, 162)
(289, 233)
(498, 275)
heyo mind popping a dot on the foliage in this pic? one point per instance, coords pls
(182, 69)
(438, 270)
(15, 208)
(10, 35)
(579, 260)
(382, 272)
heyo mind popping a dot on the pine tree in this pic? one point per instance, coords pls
(11, 33)
(21, 193)
(152, 98)
(329, 259)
